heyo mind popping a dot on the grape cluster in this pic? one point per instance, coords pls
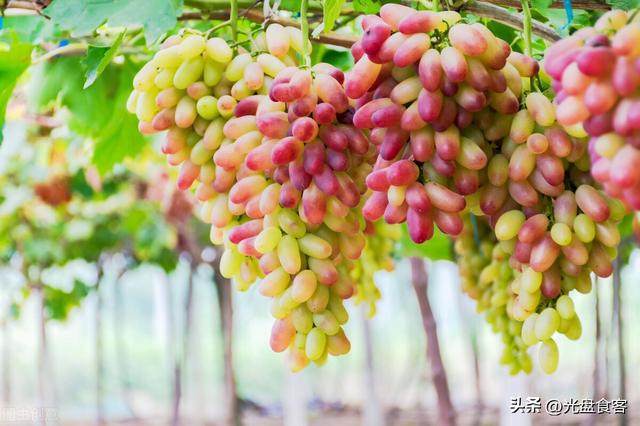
(553, 254)
(279, 172)
(486, 273)
(435, 93)
(596, 74)
(555, 227)
(300, 186)
(376, 256)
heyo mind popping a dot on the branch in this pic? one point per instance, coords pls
(420, 280)
(497, 13)
(558, 4)
(24, 4)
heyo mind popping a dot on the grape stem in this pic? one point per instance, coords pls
(420, 281)
(304, 28)
(234, 23)
(526, 27)
(216, 28)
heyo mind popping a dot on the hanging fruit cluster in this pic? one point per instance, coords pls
(596, 74)
(279, 171)
(461, 130)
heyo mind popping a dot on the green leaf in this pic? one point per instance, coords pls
(339, 58)
(626, 226)
(502, 31)
(541, 5)
(330, 11)
(15, 58)
(437, 248)
(98, 58)
(82, 17)
(367, 6)
(624, 4)
(98, 112)
(31, 29)
(79, 185)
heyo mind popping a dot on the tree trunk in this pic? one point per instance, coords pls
(617, 313)
(98, 347)
(6, 363)
(446, 414)
(181, 359)
(225, 302)
(373, 415)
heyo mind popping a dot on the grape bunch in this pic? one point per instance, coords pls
(301, 190)
(555, 227)
(376, 256)
(435, 93)
(279, 172)
(486, 274)
(596, 74)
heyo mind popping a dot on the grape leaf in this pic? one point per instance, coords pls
(339, 58)
(32, 29)
(623, 4)
(98, 58)
(367, 6)
(81, 17)
(331, 11)
(541, 4)
(15, 58)
(97, 112)
(437, 248)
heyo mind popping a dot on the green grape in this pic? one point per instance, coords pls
(546, 324)
(548, 356)
(565, 307)
(528, 330)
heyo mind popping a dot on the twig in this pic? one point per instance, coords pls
(420, 280)
(69, 49)
(499, 14)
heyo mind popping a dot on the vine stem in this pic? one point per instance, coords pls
(234, 22)
(526, 27)
(304, 28)
(62, 50)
